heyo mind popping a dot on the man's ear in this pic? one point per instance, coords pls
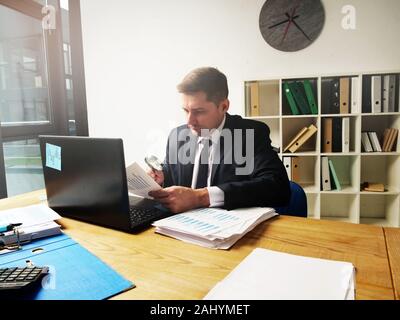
(225, 105)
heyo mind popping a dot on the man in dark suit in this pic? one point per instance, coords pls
(216, 159)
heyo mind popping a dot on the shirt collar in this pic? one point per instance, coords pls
(214, 133)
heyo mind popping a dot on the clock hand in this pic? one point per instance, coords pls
(282, 22)
(289, 24)
(295, 6)
(289, 17)
(298, 27)
(286, 30)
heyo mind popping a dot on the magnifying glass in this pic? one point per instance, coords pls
(153, 163)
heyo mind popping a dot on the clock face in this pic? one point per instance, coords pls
(291, 25)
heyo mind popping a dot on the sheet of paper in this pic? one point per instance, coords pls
(139, 182)
(245, 227)
(28, 216)
(271, 275)
(351, 292)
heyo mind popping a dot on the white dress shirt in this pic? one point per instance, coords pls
(217, 196)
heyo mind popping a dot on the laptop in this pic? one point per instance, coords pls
(85, 179)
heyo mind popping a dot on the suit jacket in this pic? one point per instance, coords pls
(267, 185)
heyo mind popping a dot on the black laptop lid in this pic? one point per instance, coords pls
(85, 179)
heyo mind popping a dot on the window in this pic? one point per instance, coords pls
(42, 88)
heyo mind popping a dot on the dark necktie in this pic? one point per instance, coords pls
(203, 164)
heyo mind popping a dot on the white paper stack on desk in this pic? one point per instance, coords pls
(271, 275)
(37, 222)
(212, 227)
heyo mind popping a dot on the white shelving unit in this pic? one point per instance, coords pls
(350, 204)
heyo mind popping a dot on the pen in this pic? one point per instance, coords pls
(9, 227)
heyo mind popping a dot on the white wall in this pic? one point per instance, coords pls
(137, 51)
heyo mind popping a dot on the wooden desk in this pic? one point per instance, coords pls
(165, 268)
(393, 247)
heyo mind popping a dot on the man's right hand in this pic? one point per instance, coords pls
(158, 176)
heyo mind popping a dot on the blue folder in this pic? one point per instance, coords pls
(75, 273)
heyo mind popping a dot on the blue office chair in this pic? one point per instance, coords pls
(298, 202)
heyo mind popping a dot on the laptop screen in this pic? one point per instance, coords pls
(85, 179)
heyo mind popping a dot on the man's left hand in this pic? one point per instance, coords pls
(180, 199)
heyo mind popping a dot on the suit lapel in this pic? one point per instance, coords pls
(221, 146)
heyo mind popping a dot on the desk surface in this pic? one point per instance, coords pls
(165, 268)
(393, 247)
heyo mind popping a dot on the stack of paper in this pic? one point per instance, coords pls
(37, 222)
(271, 275)
(211, 227)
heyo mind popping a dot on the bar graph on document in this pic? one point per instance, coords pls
(203, 221)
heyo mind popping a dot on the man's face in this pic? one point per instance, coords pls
(203, 114)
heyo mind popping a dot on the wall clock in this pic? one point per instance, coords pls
(291, 25)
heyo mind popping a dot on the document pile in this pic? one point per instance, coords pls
(211, 227)
(35, 222)
(271, 275)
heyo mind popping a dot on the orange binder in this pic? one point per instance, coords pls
(254, 100)
(327, 138)
(298, 135)
(295, 169)
(344, 95)
(310, 132)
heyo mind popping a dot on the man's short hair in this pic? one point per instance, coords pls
(208, 80)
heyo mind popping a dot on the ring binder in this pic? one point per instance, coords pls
(310, 96)
(11, 247)
(23, 235)
(296, 88)
(290, 99)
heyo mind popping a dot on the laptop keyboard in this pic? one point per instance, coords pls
(139, 216)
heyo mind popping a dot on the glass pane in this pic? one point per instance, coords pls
(23, 166)
(24, 95)
(68, 66)
(64, 4)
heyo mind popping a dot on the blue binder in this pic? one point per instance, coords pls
(75, 273)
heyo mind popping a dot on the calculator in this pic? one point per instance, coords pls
(21, 279)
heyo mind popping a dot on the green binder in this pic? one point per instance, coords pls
(298, 93)
(290, 99)
(334, 176)
(310, 96)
